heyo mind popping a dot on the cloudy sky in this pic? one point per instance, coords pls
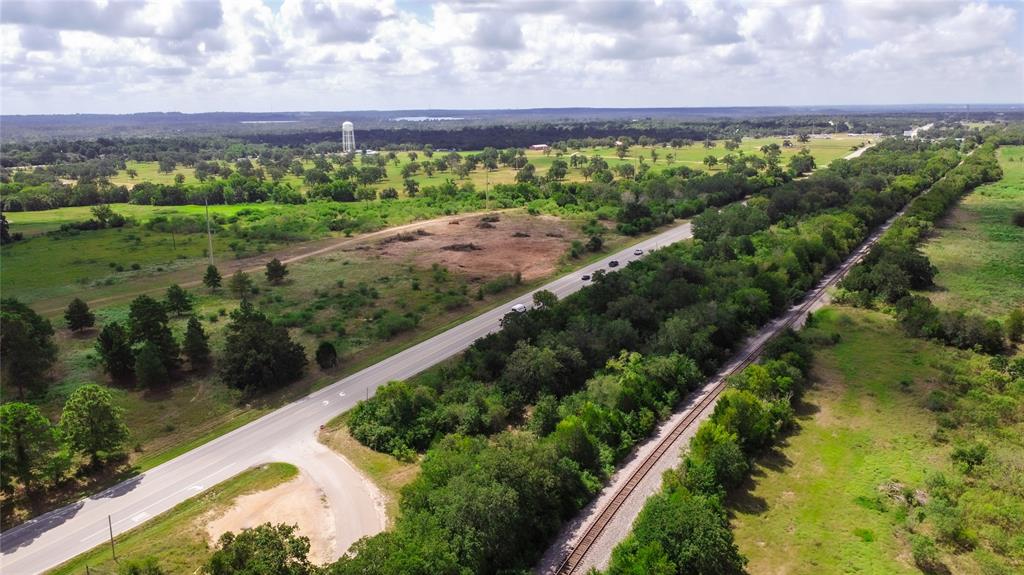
(274, 55)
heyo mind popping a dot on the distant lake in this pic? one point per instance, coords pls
(425, 118)
(268, 121)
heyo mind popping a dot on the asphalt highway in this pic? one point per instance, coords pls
(283, 435)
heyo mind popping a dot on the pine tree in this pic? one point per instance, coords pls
(148, 322)
(78, 316)
(178, 300)
(196, 345)
(276, 271)
(212, 278)
(26, 347)
(149, 369)
(92, 424)
(240, 284)
(116, 351)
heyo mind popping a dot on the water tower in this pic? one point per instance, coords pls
(348, 138)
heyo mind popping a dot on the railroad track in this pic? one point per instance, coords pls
(795, 314)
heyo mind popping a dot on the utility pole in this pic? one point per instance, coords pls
(110, 525)
(209, 236)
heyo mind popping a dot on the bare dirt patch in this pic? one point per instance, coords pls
(530, 245)
(297, 502)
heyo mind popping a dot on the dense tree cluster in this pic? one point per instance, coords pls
(559, 374)
(895, 266)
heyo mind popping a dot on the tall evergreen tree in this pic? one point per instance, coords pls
(196, 345)
(148, 322)
(116, 350)
(150, 371)
(78, 315)
(212, 278)
(258, 355)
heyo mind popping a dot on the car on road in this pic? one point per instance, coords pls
(613, 264)
(586, 278)
(638, 252)
(518, 308)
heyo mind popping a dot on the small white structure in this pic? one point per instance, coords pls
(348, 138)
(541, 147)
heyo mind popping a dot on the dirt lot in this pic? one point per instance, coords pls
(482, 246)
(297, 502)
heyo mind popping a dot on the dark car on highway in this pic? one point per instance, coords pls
(613, 264)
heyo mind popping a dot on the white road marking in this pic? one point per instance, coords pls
(140, 517)
(325, 402)
(341, 394)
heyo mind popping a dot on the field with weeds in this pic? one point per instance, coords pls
(868, 482)
(979, 250)
(177, 539)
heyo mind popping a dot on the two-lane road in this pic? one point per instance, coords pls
(283, 435)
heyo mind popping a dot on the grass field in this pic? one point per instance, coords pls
(826, 500)
(177, 538)
(978, 250)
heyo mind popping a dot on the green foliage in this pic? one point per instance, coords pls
(78, 316)
(326, 355)
(150, 371)
(196, 343)
(262, 550)
(148, 323)
(144, 566)
(115, 349)
(178, 300)
(276, 271)
(679, 532)
(92, 424)
(26, 346)
(258, 355)
(28, 446)
(212, 277)
(240, 285)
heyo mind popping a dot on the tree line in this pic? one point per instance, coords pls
(488, 499)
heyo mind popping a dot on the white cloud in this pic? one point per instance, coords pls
(196, 55)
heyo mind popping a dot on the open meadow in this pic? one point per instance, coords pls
(978, 249)
(863, 480)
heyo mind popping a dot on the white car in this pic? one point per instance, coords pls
(518, 308)
(638, 252)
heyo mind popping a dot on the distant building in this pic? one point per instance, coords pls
(348, 138)
(540, 147)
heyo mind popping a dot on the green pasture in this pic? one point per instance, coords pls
(828, 499)
(978, 250)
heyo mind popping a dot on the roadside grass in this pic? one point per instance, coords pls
(978, 250)
(176, 538)
(814, 505)
(389, 474)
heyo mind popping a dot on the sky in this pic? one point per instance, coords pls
(106, 56)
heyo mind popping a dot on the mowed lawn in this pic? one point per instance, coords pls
(813, 506)
(978, 250)
(177, 538)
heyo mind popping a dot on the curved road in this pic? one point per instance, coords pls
(286, 434)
